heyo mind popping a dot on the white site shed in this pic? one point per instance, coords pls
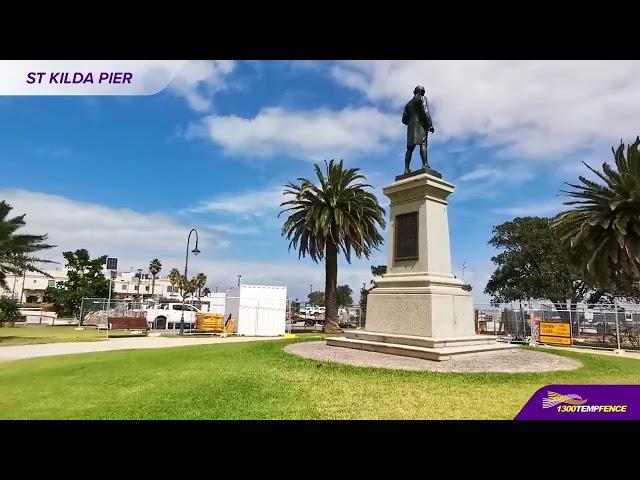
(259, 310)
(214, 303)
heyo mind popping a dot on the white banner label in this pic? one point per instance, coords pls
(87, 77)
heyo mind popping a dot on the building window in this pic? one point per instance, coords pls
(135, 288)
(34, 281)
(124, 287)
(146, 289)
(51, 283)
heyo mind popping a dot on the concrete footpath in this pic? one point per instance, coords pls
(19, 352)
(626, 354)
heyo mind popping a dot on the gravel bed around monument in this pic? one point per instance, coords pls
(512, 361)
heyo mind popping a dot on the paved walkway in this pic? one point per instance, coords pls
(19, 352)
(512, 361)
(597, 351)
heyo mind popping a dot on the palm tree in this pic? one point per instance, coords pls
(603, 231)
(200, 280)
(17, 249)
(154, 269)
(175, 278)
(188, 286)
(338, 214)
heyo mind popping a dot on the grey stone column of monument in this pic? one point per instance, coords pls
(418, 308)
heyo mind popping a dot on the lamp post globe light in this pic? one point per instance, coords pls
(195, 251)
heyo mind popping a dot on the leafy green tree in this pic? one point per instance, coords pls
(344, 296)
(534, 265)
(467, 287)
(9, 311)
(154, 269)
(603, 229)
(378, 271)
(316, 298)
(85, 279)
(17, 249)
(336, 214)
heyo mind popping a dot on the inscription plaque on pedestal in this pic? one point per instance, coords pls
(406, 238)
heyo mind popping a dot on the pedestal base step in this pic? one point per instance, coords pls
(419, 347)
(416, 341)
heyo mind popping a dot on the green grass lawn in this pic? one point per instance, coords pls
(24, 335)
(258, 380)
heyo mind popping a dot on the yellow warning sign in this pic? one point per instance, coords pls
(555, 340)
(555, 329)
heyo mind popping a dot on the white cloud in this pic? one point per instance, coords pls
(199, 80)
(489, 181)
(72, 224)
(137, 237)
(314, 135)
(252, 203)
(532, 108)
(545, 208)
(229, 228)
(480, 173)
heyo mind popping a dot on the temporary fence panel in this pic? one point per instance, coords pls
(609, 326)
(303, 316)
(39, 316)
(96, 311)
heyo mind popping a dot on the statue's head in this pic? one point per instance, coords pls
(419, 90)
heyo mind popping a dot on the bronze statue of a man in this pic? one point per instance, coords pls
(416, 117)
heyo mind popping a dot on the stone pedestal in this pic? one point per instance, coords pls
(418, 307)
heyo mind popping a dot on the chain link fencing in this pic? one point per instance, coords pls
(306, 317)
(608, 326)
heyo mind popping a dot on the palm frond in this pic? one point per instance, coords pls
(603, 229)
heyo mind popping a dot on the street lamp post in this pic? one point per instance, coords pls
(239, 277)
(195, 251)
(24, 276)
(140, 296)
(111, 278)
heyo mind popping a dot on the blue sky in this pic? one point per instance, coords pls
(129, 176)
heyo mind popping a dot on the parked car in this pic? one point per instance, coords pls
(168, 315)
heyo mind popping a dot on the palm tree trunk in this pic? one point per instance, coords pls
(331, 290)
(153, 284)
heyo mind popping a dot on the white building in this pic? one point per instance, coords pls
(128, 285)
(30, 287)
